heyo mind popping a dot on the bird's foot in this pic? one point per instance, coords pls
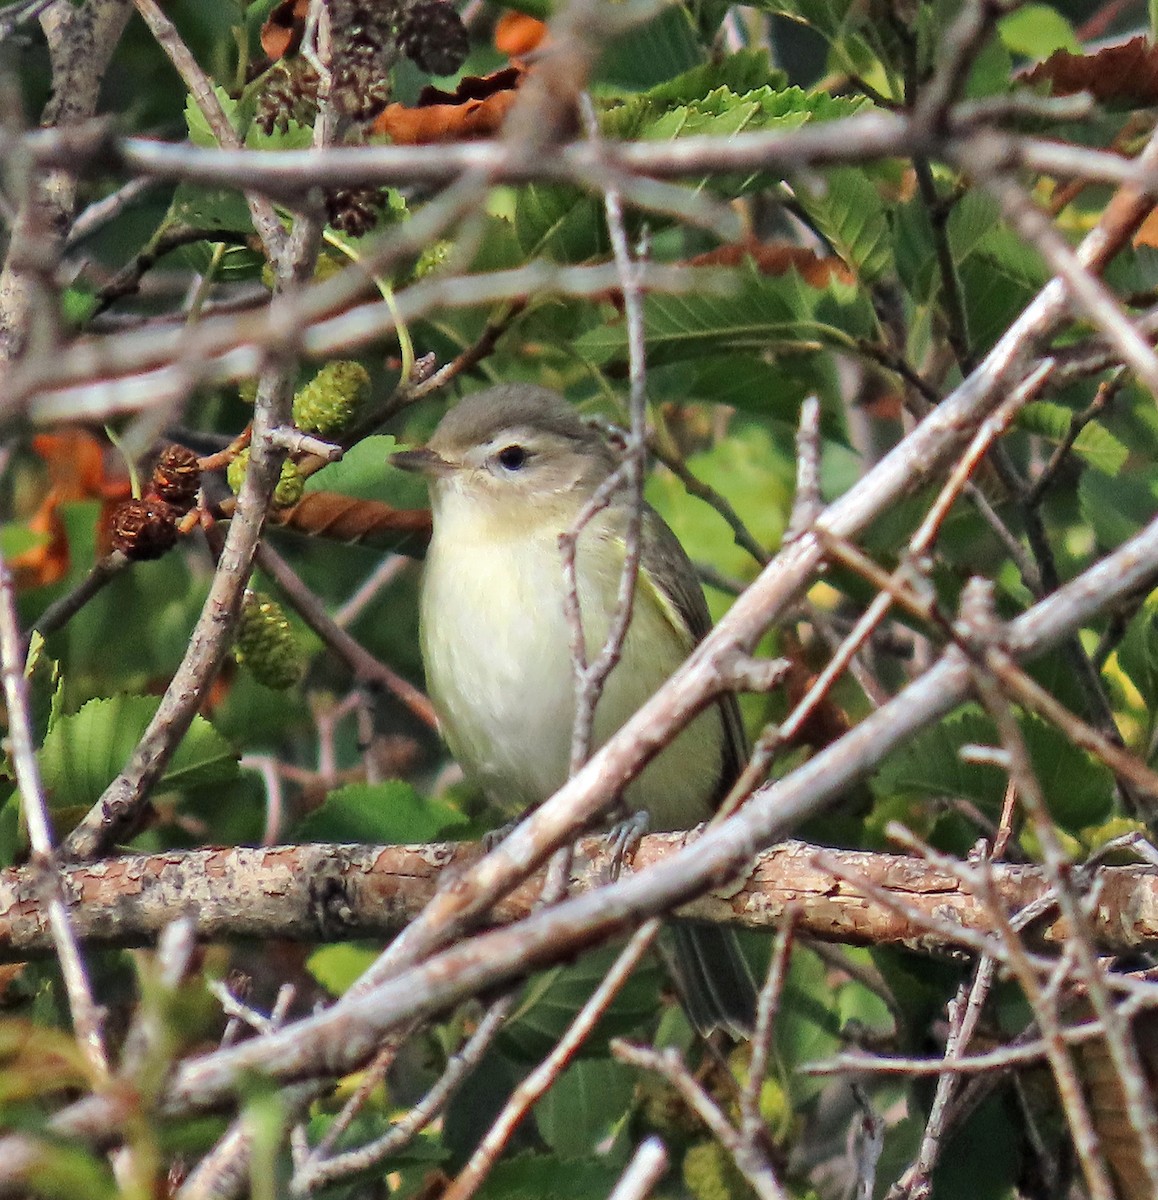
(492, 837)
(623, 840)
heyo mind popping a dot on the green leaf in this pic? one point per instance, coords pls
(391, 813)
(1036, 31)
(64, 1172)
(561, 223)
(1078, 790)
(551, 1000)
(84, 752)
(1116, 508)
(653, 51)
(199, 132)
(722, 112)
(758, 313)
(365, 473)
(337, 967)
(532, 1177)
(744, 381)
(741, 72)
(1095, 443)
(807, 1024)
(827, 17)
(1138, 654)
(585, 1105)
(209, 208)
(45, 687)
(849, 212)
(19, 539)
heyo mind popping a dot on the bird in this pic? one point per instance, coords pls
(509, 470)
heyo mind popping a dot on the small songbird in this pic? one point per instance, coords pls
(509, 470)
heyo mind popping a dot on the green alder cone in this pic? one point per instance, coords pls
(329, 402)
(266, 645)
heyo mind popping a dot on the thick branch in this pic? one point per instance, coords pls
(333, 892)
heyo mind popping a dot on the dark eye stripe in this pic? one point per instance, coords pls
(512, 457)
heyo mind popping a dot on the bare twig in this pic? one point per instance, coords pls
(544, 1076)
(750, 1157)
(367, 669)
(86, 1015)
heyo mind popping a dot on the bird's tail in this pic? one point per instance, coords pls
(713, 978)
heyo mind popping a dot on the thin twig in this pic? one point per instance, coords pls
(87, 1017)
(750, 1157)
(544, 1076)
(367, 669)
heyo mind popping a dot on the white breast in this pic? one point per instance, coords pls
(497, 650)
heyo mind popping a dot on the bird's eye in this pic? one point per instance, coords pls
(512, 457)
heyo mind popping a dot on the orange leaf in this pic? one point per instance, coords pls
(283, 29)
(75, 461)
(475, 109)
(1147, 234)
(1128, 72)
(49, 562)
(516, 34)
(778, 258)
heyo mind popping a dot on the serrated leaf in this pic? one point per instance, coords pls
(84, 752)
(1078, 790)
(1115, 508)
(584, 1106)
(741, 72)
(993, 298)
(758, 313)
(849, 212)
(1095, 443)
(391, 813)
(551, 1000)
(723, 112)
(532, 1177)
(199, 132)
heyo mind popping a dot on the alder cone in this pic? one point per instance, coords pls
(177, 477)
(290, 93)
(144, 529)
(354, 211)
(433, 36)
(364, 51)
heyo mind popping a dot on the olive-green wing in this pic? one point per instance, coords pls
(662, 556)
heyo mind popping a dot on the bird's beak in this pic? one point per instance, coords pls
(424, 461)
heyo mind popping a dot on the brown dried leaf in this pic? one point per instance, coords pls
(516, 34)
(475, 109)
(283, 29)
(362, 522)
(1126, 73)
(1147, 234)
(778, 258)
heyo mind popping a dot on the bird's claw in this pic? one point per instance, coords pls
(623, 840)
(492, 837)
